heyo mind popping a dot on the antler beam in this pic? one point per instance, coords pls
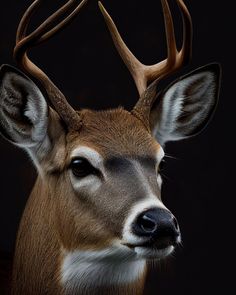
(42, 33)
(144, 75)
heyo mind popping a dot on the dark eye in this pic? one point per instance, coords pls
(80, 167)
(161, 166)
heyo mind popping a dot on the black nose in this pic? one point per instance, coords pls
(159, 225)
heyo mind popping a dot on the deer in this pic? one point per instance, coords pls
(95, 216)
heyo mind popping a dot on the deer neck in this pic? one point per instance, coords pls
(102, 270)
(37, 246)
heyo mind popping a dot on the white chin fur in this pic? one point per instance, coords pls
(149, 253)
(83, 270)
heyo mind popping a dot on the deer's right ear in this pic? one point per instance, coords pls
(23, 109)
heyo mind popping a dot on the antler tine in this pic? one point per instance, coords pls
(133, 64)
(43, 33)
(21, 32)
(159, 69)
(186, 50)
(23, 25)
(142, 74)
(64, 23)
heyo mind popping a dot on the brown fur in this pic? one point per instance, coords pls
(56, 218)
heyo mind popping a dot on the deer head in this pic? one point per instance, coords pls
(99, 184)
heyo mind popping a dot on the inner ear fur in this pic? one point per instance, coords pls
(186, 106)
(24, 110)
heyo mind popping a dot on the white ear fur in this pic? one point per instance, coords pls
(24, 111)
(36, 111)
(187, 105)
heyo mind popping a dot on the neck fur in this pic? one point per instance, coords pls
(90, 271)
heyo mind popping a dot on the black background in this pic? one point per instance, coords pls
(199, 188)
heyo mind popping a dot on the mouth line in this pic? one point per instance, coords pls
(150, 245)
(153, 253)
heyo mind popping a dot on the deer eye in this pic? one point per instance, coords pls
(81, 167)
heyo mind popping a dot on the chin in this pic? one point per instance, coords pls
(153, 253)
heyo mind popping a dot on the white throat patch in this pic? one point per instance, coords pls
(84, 270)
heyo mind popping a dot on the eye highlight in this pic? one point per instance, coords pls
(81, 168)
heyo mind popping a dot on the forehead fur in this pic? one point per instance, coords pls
(114, 132)
(111, 133)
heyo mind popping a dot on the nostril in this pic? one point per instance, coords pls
(158, 224)
(147, 224)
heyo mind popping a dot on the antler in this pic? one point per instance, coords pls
(142, 74)
(42, 33)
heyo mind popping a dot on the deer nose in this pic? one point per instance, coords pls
(159, 225)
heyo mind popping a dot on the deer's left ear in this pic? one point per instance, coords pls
(186, 107)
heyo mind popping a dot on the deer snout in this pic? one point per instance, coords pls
(158, 227)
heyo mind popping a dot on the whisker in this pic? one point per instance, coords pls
(171, 157)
